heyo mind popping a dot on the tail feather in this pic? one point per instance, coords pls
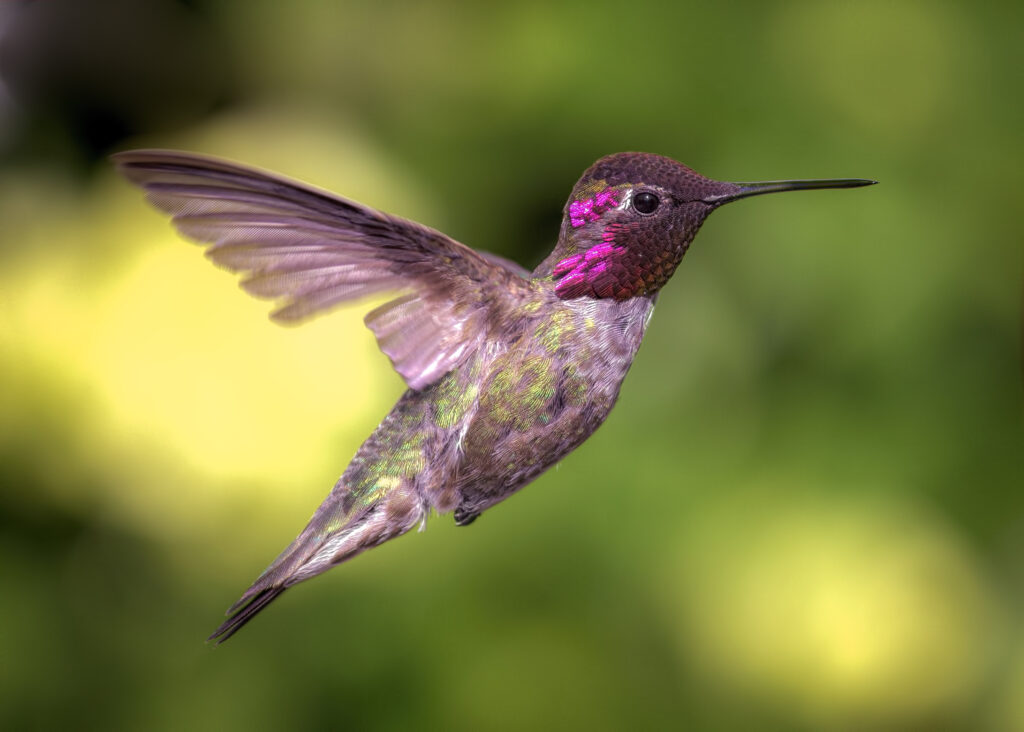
(337, 532)
(245, 613)
(276, 578)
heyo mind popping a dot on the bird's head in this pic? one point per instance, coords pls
(631, 217)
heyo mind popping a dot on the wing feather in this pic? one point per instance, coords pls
(311, 251)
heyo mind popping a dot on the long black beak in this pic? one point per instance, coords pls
(744, 190)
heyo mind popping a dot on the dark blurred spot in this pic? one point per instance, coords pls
(27, 520)
(96, 72)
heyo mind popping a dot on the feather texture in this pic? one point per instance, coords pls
(510, 371)
(311, 250)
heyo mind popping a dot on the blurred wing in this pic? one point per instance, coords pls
(312, 250)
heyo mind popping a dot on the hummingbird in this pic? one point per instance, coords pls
(507, 370)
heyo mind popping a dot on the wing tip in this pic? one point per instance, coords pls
(127, 159)
(155, 154)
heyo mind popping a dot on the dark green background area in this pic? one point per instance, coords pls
(805, 513)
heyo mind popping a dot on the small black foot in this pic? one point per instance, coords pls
(464, 517)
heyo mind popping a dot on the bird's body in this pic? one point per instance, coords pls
(478, 434)
(508, 371)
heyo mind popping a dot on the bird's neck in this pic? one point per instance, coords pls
(617, 261)
(609, 331)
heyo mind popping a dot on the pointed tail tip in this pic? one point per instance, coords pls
(242, 612)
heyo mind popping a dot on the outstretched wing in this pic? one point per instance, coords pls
(312, 250)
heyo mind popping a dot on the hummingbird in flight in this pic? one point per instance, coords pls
(507, 370)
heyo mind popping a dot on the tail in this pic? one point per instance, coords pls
(244, 611)
(339, 530)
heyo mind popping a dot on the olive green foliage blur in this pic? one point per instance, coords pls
(805, 513)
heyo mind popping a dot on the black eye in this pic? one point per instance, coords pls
(645, 202)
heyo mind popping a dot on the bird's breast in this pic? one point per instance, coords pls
(523, 404)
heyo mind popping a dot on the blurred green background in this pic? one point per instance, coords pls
(805, 513)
